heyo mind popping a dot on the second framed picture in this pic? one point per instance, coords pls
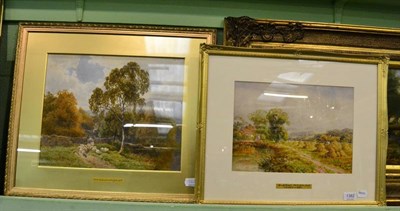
(105, 112)
(279, 127)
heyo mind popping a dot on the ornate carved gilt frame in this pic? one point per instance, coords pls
(248, 32)
(325, 38)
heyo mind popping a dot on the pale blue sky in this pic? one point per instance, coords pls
(326, 108)
(81, 74)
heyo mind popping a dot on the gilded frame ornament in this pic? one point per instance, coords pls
(38, 42)
(219, 182)
(324, 38)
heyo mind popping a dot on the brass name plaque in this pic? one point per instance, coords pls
(293, 186)
(107, 180)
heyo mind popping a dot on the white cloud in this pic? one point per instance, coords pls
(61, 76)
(80, 74)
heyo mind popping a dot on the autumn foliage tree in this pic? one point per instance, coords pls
(123, 91)
(238, 126)
(61, 115)
(87, 121)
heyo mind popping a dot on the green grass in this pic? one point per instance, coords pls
(60, 156)
(271, 157)
(344, 161)
(301, 166)
(281, 159)
(128, 161)
(293, 156)
(67, 157)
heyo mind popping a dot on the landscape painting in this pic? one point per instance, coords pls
(113, 112)
(393, 92)
(292, 128)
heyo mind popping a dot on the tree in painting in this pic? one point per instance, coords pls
(61, 115)
(310, 132)
(277, 120)
(123, 92)
(238, 126)
(259, 119)
(268, 124)
(89, 100)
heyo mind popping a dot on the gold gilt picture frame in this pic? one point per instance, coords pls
(288, 122)
(323, 38)
(104, 112)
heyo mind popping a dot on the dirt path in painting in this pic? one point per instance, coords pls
(94, 161)
(244, 164)
(321, 167)
(249, 163)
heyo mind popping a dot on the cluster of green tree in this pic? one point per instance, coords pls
(268, 125)
(62, 116)
(121, 101)
(117, 104)
(109, 126)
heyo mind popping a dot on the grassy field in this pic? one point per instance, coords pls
(105, 156)
(292, 157)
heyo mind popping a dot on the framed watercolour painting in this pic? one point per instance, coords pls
(292, 127)
(104, 112)
(327, 37)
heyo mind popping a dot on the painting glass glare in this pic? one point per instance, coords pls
(112, 112)
(292, 128)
